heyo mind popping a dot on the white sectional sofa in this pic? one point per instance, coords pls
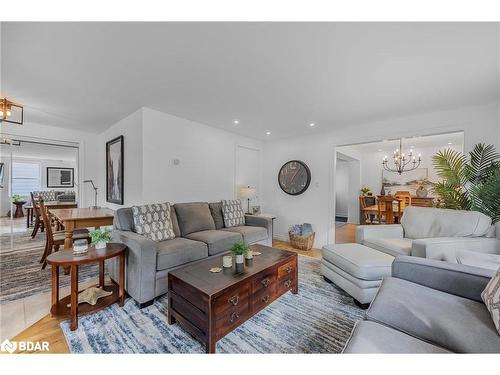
(433, 233)
(464, 237)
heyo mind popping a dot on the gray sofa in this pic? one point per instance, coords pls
(200, 233)
(428, 306)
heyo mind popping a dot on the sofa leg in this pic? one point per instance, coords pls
(146, 304)
(363, 306)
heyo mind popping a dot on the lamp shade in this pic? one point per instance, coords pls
(247, 192)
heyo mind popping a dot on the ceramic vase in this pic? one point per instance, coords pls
(100, 245)
(240, 265)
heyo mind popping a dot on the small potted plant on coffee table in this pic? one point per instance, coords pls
(100, 237)
(239, 250)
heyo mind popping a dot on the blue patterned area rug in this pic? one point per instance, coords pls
(317, 320)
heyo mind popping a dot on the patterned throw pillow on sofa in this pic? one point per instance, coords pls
(491, 298)
(153, 221)
(233, 213)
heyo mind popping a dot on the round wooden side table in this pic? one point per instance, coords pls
(68, 306)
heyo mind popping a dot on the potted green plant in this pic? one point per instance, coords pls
(16, 198)
(365, 190)
(100, 237)
(469, 183)
(239, 250)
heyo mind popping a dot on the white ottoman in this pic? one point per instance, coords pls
(357, 269)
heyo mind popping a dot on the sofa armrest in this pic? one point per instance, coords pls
(364, 232)
(458, 279)
(476, 259)
(260, 221)
(445, 248)
(140, 265)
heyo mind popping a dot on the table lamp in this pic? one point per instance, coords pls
(248, 193)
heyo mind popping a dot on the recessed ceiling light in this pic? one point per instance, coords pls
(312, 124)
(268, 133)
(236, 122)
(450, 143)
(379, 150)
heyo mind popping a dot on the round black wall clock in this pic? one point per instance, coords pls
(294, 177)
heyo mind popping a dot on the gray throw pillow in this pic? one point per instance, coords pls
(194, 217)
(153, 221)
(216, 211)
(233, 213)
(491, 298)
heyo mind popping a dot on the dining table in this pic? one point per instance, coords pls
(50, 205)
(74, 218)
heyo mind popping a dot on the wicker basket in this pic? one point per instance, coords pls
(301, 242)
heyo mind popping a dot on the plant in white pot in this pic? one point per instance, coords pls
(100, 237)
(239, 250)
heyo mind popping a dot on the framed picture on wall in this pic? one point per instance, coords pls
(114, 170)
(60, 177)
(407, 181)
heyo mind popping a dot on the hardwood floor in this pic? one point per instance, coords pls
(48, 329)
(345, 233)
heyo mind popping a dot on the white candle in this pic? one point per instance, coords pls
(227, 261)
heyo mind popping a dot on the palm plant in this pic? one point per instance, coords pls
(472, 184)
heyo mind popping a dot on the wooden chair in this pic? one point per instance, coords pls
(386, 210)
(55, 239)
(38, 219)
(370, 213)
(404, 197)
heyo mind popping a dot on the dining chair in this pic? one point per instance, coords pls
(55, 239)
(38, 219)
(389, 209)
(404, 197)
(370, 213)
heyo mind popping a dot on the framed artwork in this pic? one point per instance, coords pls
(407, 181)
(114, 170)
(255, 210)
(60, 177)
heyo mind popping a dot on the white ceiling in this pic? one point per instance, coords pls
(274, 77)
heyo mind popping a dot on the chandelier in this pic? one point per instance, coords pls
(402, 162)
(11, 112)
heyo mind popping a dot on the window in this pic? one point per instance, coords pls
(25, 178)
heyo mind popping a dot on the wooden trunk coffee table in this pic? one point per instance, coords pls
(210, 305)
(68, 306)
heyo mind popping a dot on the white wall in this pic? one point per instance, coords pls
(316, 205)
(248, 169)
(131, 128)
(207, 159)
(371, 164)
(207, 169)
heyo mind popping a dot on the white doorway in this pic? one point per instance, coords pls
(347, 185)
